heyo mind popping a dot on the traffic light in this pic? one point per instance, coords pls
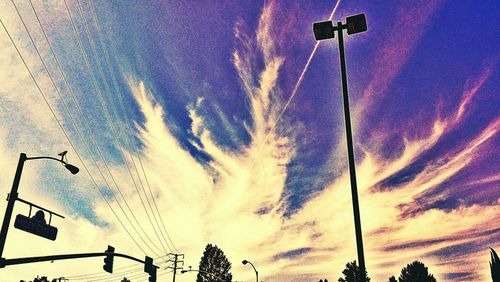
(108, 260)
(150, 269)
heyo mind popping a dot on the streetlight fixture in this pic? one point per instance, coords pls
(244, 262)
(202, 271)
(13, 196)
(326, 30)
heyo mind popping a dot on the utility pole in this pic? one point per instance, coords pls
(175, 261)
(175, 265)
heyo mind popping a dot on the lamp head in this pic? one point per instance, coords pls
(73, 169)
(323, 30)
(356, 24)
(244, 262)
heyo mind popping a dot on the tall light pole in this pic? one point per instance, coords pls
(326, 30)
(256, 272)
(13, 196)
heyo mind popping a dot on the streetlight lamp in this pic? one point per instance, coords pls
(13, 196)
(244, 262)
(202, 271)
(326, 30)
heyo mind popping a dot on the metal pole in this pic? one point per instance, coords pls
(11, 202)
(350, 152)
(14, 261)
(256, 272)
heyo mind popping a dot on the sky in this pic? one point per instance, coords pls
(197, 122)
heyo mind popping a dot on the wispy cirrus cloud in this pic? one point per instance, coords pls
(236, 198)
(402, 37)
(317, 240)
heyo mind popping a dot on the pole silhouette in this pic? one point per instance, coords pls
(350, 153)
(12, 199)
(13, 196)
(326, 30)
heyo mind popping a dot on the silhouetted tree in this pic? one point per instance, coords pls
(392, 279)
(416, 272)
(43, 279)
(125, 279)
(213, 264)
(321, 280)
(351, 273)
(495, 266)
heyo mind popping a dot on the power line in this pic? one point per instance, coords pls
(75, 124)
(115, 85)
(137, 274)
(85, 276)
(106, 276)
(159, 275)
(66, 134)
(109, 120)
(103, 104)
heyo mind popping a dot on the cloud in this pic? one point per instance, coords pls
(237, 198)
(402, 38)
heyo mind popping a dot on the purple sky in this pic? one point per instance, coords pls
(195, 91)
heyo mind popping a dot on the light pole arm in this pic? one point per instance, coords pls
(256, 272)
(47, 158)
(14, 195)
(14, 261)
(202, 271)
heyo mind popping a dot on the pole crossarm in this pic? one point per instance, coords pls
(14, 261)
(38, 207)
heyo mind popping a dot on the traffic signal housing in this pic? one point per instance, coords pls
(108, 260)
(150, 269)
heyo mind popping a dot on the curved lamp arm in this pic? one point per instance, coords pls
(14, 195)
(253, 266)
(73, 169)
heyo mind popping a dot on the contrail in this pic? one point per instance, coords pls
(301, 77)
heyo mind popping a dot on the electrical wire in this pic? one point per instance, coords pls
(98, 274)
(134, 148)
(103, 104)
(159, 275)
(109, 120)
(66, 134)
(74, 123)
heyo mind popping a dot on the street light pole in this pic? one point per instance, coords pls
(350, 153)
(13, 196)
(12, 199)
(256, 272)
(326, 30)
